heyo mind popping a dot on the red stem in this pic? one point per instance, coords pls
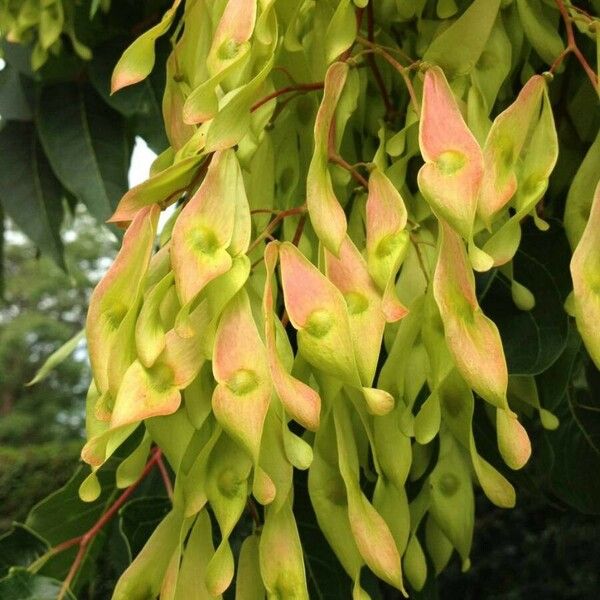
(165, 477)
(301, 87)
(389, 107)
(84, 540)
(572, 47)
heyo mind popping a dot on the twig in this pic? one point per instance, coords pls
(572, 47)
(301, 87)
(165, 477)
(299, 230)
(253, 512)
(415, 244)
(389, 107)
(334, 157)
(84, 540)
(273, 224)
(400, 68)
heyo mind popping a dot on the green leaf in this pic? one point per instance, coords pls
(540, 30)
(20, 547)
(458, 48)
(19, 584)
(14, 105)
(29, 191)
(341, 31)
(576, 442)
(86, 144)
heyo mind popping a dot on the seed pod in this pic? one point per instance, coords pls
(227, 475)
(387, 240)
(585, 271)
(318, 311)
(241, 398)
(450, 179)
(248, 584)
(118, 293)
(472, 338)
(326, 214)
(206, 226)
(300, 400)
(281, 559)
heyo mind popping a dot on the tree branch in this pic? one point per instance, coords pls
(572, 47)
(301, 87)
(84, 540)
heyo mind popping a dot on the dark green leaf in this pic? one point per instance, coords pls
(576, 443)
(19, 548)
(577, 453)
(19, 584)
(533, 339)
(139, 518)
(86, 143)
(29, 191)
(13, 100)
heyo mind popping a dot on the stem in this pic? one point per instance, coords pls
(298, 210)
(334, 157)
(301, 87)
(84, 540)
(572, 47)
(299, 230)
(389, 107)
(253, 511)
(165, 477)
(400, 68)
(415, 244)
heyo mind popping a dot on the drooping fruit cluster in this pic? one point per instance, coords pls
(42, 23)
(302, 312)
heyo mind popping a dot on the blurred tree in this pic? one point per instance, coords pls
(43, 307)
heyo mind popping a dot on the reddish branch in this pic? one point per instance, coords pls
(165, 477)
(301, 87)
(298, 210)
(377, 49)
(572, 47)
(83, 541)
(389, 107)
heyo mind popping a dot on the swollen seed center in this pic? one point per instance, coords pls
(336, 493)
(451, 161)
(161, 376)
(228, 49)
(243, 381)
(228, 483)
(449, 484)
(452, 403)
(387, 245)
(357, 303)
(319, 323)
(204, 240)
(115, 314)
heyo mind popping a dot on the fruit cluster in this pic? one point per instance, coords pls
(42, 24)
(302, 312)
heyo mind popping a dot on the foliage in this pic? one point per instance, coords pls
(43, 307)
(414, 335)
(28, 472)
